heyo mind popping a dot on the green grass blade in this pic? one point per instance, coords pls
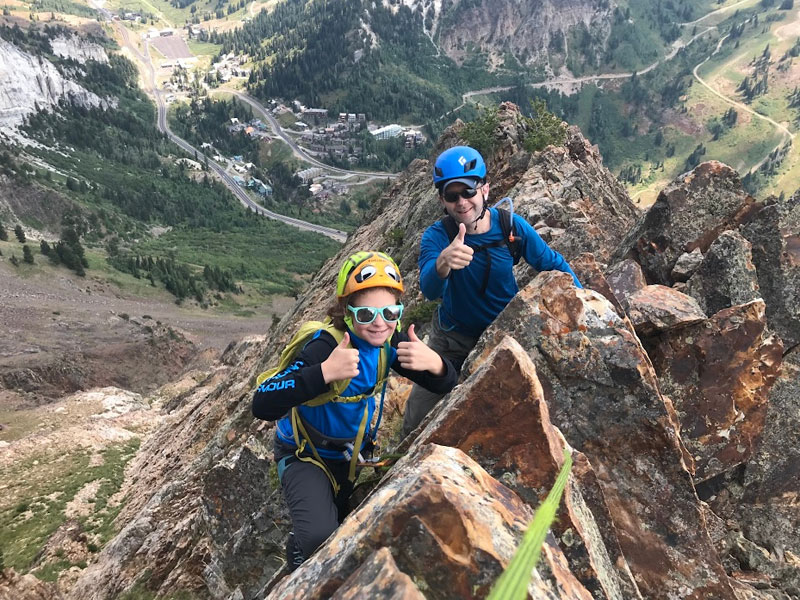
(513, 583)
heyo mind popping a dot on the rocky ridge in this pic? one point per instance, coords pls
(682, 422)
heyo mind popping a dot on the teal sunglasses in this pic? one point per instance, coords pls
(365, 315)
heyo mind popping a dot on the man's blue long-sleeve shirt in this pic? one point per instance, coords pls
(463, 307)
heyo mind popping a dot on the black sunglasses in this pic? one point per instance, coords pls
(465, 193)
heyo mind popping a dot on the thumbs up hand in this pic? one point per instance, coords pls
(456, 256)
(415, 355)
(342, 363)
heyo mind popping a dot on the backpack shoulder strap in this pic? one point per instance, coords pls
(297, 343)
(510, 236)
(450, 227)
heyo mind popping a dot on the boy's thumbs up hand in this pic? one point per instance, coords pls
(342, 363)
(415, 354)
(457, 255)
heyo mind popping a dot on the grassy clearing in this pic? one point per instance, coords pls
(286, 119)
(276, 264)
(277, 151)
(37, 491)
(203, 48)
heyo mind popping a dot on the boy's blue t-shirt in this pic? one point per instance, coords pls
(342, 419)
(463, 306)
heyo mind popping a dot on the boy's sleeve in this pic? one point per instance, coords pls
(433, 242)
(538, 254)
(299, 382)
(434, 383)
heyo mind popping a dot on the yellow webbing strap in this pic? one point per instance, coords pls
(351, 475)
(297, 429)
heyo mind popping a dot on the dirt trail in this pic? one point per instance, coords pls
(85, 330)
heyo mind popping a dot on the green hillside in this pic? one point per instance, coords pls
(151, 216)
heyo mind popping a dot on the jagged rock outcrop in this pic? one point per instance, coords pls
(659, 308)
(603, 396)
(764, 507)
(560, 368)
(726, 276)
(775, 237)
(689, 213)
(500, 418)
(718, 374)
(567, 190)
(446, 522)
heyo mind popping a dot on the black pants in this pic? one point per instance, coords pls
(450, 344)
(316, 512)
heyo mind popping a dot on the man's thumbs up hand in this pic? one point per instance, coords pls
(342, 363)
(462, 231)
(456, 256)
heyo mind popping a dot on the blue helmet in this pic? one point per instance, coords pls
(458, 162)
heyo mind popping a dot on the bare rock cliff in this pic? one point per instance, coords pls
(682, 424)
(529, 31)
(21, 94)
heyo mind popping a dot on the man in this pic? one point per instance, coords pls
(466, 260)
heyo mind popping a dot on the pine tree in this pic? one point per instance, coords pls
(3, 233)
(20, 234)
(27, 255)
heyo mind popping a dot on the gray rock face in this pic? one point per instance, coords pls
(78, 49)
(686, 264)
(22, 94)
(689, 213)
(529, 32)
(727, 276)
(775, 236)
(625, 278)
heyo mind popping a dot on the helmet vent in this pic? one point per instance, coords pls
(438, 171)
(470, 165)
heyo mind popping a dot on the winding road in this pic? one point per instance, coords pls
(786, 134)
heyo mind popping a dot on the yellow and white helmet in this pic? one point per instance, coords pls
(364, 270)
